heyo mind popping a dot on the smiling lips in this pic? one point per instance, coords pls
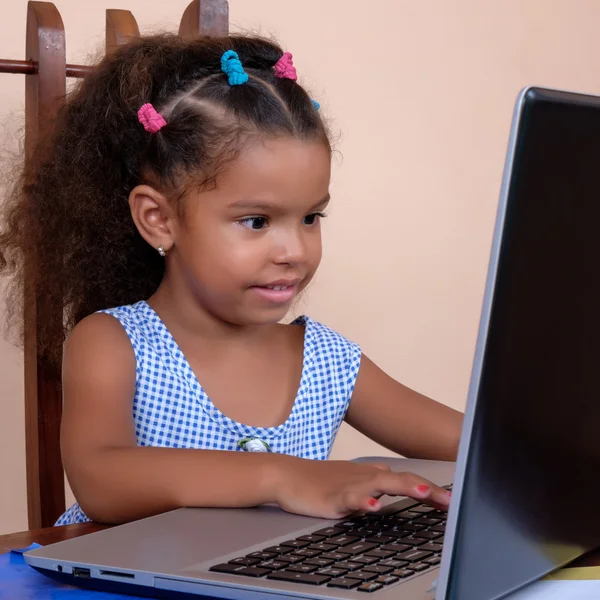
(278, 292)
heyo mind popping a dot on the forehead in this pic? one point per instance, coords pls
(285, 172)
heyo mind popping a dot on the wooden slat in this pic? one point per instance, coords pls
(205, 18)
(121, 27)
(28, 67)
(44, 93)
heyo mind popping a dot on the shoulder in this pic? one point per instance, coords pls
(330, 349)
(97, 346)
(323, 336)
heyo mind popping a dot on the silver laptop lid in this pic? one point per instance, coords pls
(528, 475)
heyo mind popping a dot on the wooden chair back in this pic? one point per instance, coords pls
(46, 70)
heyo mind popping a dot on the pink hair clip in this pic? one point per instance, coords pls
(284, 67)
(150, 119)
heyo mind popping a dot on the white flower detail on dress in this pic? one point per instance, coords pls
(254, 445)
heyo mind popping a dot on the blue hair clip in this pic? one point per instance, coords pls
(231, 65)
(316, 104)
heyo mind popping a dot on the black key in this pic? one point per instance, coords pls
(365, 560)
(323, 547)
(307, 552)
(244, 560)
(291, 559)
(362, 575)
(349, 565)
(356, 522)
(380, 539)
(394, 533)
(423, 509)
(336, 555)
(418, 567)
(240, 570)
(319, 562)
(273, 565)
(309, 578)
(392, 562)
(387, 580)
(434, 560)
(441, 528)
(312, 539)
(427, 521)
(429, 535)
(431, 547)
(369, 587)
(330, 531)
(412, 541)
(303, 568)
(295, 544)
(332, 572)
(358, 548)
(363, 532)
(408, 514)
(262, 555)
(414, 556)
(395, 547)
(277, 550)
(381, 553)
(344, 583)
(411, 527)
(379, 569)
(343, 540)
(402, 573)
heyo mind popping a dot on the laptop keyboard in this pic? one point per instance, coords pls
(365, 552)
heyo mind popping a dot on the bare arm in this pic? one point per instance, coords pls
(401, 419)
(115, 480)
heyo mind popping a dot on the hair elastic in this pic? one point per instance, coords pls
(284, 67)
(231, 65)
(150, 119)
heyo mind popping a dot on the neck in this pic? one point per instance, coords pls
(183, 314)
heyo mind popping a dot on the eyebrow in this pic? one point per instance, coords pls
(265, 206)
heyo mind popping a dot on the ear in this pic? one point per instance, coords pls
(153, 216)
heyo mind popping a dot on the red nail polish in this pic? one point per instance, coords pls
(372, 502)
(423, 489)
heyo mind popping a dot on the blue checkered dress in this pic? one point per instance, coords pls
(171, 410)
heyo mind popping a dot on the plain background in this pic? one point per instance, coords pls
(422, 95)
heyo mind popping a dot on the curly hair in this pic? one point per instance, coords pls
(68, 236)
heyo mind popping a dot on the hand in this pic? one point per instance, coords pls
(334, 489)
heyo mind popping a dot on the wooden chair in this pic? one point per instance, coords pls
(46, 71)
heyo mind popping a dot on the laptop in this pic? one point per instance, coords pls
(526, 485)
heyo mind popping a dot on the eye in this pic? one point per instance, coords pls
(255, 223)
(313, 218)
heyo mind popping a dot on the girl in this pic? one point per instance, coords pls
(185, 186)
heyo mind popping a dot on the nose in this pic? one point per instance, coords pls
(291, 248)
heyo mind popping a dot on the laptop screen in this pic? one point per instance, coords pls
(531, 496)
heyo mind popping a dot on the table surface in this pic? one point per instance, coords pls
(58, 534)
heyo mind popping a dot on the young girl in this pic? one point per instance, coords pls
(176, 215)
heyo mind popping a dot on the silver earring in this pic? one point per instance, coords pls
(161, 250)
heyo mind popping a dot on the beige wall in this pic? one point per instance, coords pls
(422, 93)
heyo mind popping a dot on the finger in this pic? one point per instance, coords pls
(353, 501)
(369, 504)
(381, 467)
(414, 486)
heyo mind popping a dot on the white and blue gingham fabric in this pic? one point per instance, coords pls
(171, 410)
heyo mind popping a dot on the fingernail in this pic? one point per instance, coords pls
(372, 502)
(423, 489)
(449, 494)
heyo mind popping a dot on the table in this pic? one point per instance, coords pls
(57, 534)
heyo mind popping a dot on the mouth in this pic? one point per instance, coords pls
(278, 292)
